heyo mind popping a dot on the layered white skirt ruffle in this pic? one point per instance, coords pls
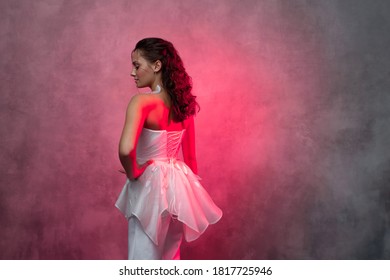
(168, 187)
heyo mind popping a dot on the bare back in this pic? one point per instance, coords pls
(158, 115)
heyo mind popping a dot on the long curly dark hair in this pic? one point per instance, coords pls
(175, 79)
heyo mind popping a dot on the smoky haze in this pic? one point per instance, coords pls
(292, 136)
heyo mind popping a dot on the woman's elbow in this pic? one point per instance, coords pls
(189, 158)
(125, 151)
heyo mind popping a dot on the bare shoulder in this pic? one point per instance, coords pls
(139, 98)
(139, 101)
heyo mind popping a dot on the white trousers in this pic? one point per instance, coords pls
(141, 247)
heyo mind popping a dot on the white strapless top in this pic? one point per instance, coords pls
(158, 144)
(168, 186)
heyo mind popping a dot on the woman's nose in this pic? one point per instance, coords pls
(132, 72)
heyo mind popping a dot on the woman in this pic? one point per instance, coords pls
(162, 198)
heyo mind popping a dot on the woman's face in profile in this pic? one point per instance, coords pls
(142, 72)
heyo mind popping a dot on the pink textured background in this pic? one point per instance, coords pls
(292, 136)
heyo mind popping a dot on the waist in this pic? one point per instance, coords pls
(168, 163)
(159, 159)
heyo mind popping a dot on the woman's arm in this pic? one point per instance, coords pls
(188, 146)
(135, 117)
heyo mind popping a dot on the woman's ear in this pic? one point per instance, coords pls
(157, 66)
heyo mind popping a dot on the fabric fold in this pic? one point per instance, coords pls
(162, 190)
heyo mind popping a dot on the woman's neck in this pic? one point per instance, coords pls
(156, 89)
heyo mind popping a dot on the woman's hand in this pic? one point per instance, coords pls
(139, 170)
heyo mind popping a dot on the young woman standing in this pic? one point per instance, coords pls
(162, 198)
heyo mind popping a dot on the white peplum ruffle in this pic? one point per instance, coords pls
(167, 187)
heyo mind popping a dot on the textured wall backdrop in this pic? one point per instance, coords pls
(292, 136)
